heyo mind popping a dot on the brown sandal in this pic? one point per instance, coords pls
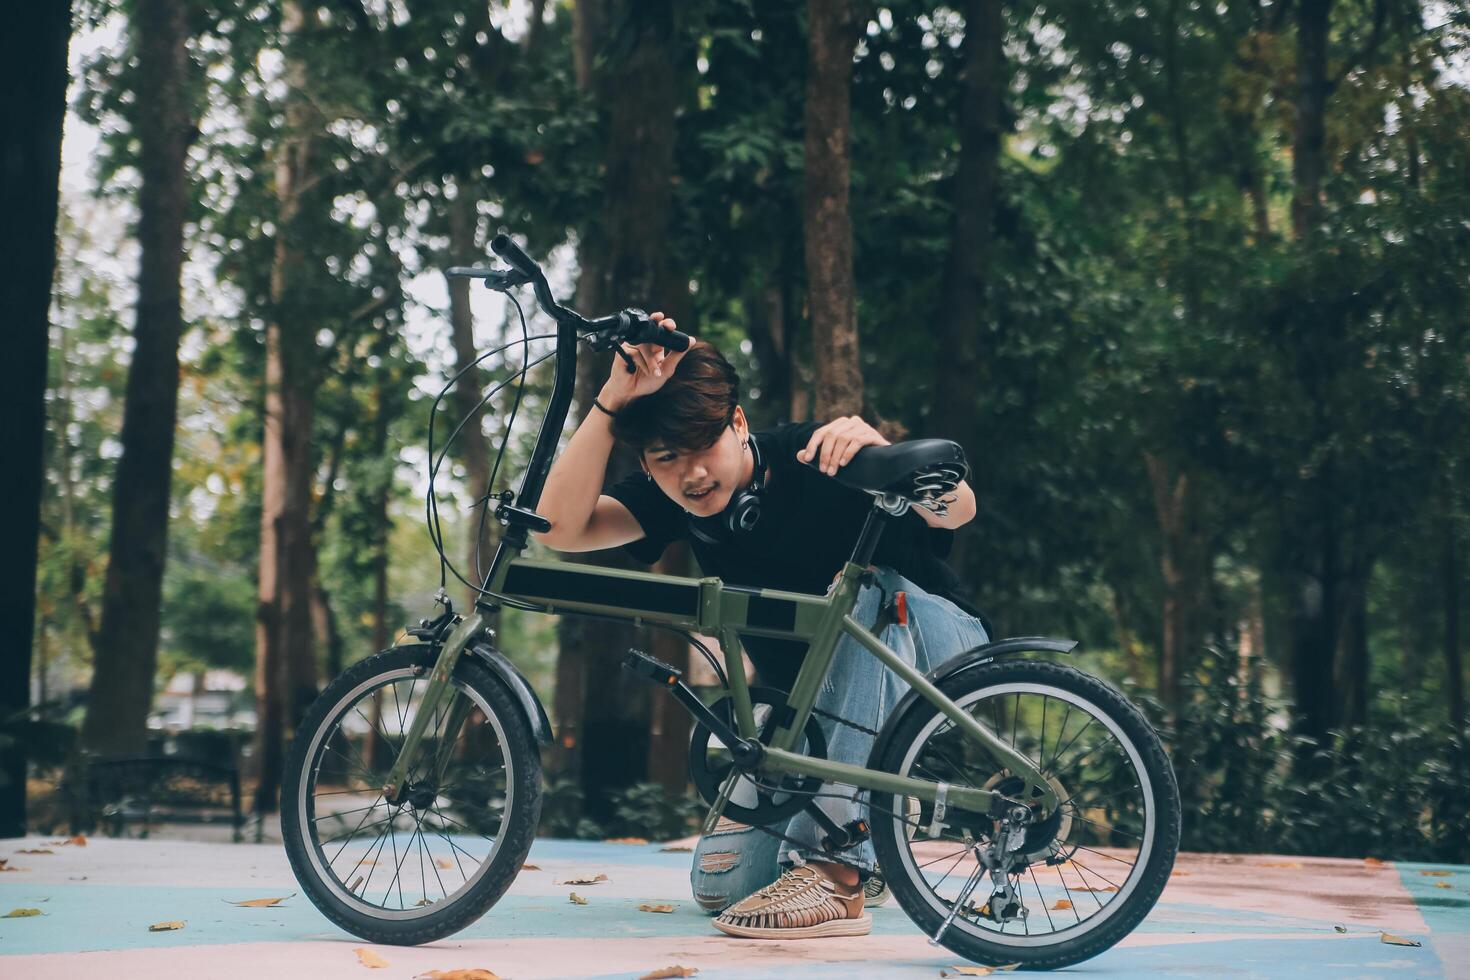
(801, 904)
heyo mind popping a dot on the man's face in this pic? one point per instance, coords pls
(702, 481)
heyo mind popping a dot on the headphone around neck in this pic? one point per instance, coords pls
(741, 513)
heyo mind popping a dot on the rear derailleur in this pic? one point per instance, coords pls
(998, 856)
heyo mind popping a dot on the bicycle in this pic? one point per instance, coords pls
(1001, 841)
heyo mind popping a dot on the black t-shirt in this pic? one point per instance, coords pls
(809, 524)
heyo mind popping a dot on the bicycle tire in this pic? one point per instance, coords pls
(921, 904)
(518, 829)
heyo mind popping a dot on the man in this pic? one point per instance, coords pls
(701, 474)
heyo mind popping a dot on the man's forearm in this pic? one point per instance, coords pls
(961, 512)
(575, 481)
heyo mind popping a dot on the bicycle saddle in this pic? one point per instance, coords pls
(919, 469)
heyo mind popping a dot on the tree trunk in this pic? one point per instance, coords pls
(1353, 663)
(1308, 161)
(1185, 568)
(603, 713)
(121, 691)
(1454, 687)
(472, 448)
(668, 735)
(1312, 569)
(831, 296)
(285, 652)
(33, 67)
(962, 311)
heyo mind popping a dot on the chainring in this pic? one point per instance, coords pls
(710, 764)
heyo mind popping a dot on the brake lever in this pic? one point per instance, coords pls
(497, 279)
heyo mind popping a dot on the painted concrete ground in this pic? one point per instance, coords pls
(1220, 916)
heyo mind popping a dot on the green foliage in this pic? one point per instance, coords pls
(645, 810)
(1393, 789)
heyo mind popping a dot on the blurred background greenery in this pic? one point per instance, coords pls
(1187, 280)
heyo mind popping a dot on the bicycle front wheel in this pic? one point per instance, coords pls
(430, 864)
(1082, 878)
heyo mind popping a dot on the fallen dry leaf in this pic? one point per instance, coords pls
(1427, 874)
(444, 862)
(1374, 862)
(21, 913)
(262, 903)
(584, 880)
(1392, 940)
(655, 908)
(1104, 888)
(626, 840)
(165, 926)
(677, 848)
(978, 971)
(1279, 864)
(1178, 874)
(578, 899)
(370, 959)
(530, 867)
(35, 850)
(80, 840)
(670, 971)
(457, 975)
(1061, 906)
(1340, 928)
(5, 866)
(1443, 884)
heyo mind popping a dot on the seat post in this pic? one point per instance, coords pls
(885, 507)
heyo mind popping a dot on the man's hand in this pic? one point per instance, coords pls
(838, 442)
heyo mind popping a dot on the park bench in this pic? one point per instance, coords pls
(149, 790)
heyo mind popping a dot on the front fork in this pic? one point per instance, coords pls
(459, 708)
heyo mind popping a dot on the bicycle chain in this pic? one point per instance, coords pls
(828, 856)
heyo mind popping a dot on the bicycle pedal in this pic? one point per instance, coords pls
(652, 668)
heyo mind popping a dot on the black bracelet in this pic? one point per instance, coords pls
(610, 414)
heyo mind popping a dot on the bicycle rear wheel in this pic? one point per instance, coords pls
(1081, 879)
(430, 864)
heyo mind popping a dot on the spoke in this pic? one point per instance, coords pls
(941, 857)
(349, 834)
(956, 864)
(1061, 733)
(467, 827)
(1083, 871)
(1041, 898)
(1099, 782)
(1111, 830)
(398, 867)
(398, 705)
(1084, 847)
(432, 865)
(339, 814)
(382, 839)
(1057, 758)
(1070, 901)
(384, 736)
(1041, 748)
(454, 848)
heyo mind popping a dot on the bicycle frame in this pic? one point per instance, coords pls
(708, 606)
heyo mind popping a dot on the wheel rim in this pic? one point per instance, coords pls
(415, 858)
(1104, 861)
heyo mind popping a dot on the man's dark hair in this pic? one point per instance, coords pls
(691, 409)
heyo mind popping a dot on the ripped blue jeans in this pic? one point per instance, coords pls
(734, 860)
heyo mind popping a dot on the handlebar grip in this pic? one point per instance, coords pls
(674, 340)
(508, 250)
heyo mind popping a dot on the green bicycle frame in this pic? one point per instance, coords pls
(704, 605)
(709, 606)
